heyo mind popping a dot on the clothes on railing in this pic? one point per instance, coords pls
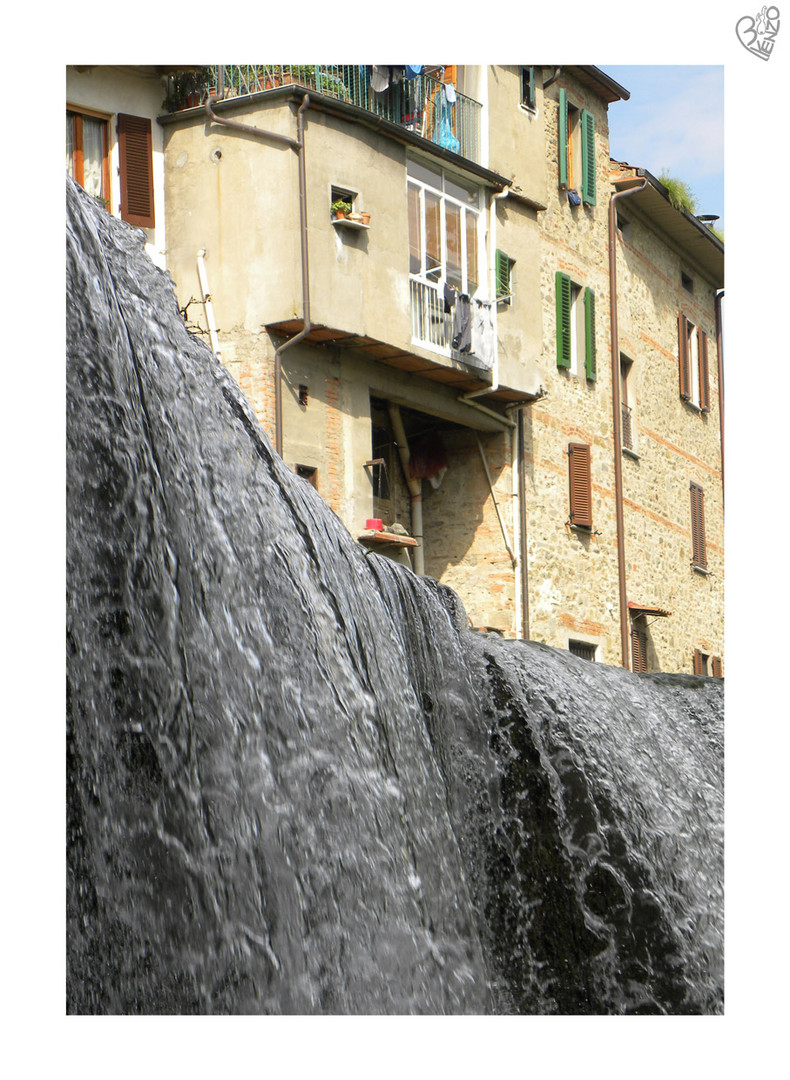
(462, 324)
(483, 332)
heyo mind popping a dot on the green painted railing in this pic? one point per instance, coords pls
(420, 105)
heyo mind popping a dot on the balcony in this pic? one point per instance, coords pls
(419, 105)
(433, 328)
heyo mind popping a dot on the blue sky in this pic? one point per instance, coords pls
(673, 122)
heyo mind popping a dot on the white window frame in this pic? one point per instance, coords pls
(692, 345)
(438, 275)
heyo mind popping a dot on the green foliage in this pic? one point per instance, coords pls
(680, 194)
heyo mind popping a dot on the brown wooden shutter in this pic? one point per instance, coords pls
(715, 663)
(580, 485)
(699, 663)
(683, 358)
(136, 167)
(699, 555)
(638, 649)
(704, 380)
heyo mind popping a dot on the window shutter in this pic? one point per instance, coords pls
(589, 333)
(638, 649)
(683, 358)
(502, 274)
(699, 554)
(563, 320)
(699, 664)
(715, 663)
(704, 381)
(580, 485)
(136, 168)
(588, 157)
(562, 139)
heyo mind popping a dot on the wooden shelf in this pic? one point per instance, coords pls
(373, 537)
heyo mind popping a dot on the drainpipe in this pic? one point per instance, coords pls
(720, 365)
(207, 305)
(414, 485)
(618, 418)
(298, 145)
(522, 533)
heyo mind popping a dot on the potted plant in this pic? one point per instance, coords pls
(341, 208)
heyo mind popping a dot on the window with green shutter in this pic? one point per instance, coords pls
(504, 277)
(575, 327)
(588, 157)
(589, 334)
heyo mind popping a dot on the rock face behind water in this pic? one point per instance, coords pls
(297, 783)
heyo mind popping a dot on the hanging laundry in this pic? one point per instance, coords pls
(483, 335)
(413, 70)
(380, 79)
(449, 297)
(449, 90)
(462, 324)
(443, 128)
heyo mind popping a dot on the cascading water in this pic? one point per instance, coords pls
(297, 782)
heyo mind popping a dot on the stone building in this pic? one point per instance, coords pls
(409, 271)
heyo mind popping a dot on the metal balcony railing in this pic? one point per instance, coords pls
(432, 327)
(419, 104)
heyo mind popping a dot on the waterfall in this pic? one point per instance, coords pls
(297, 782)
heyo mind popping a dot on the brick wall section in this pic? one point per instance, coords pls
(331, 486)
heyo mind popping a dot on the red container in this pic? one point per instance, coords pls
(375, 524)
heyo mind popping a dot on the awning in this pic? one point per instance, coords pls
(637, 610)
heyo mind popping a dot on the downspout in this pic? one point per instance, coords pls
(208, 307)
(720, 366)
(298, 145)
(618, 419)
(468, 399)
(414, 485)
(522, 535)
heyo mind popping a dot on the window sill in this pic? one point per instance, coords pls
(629, 452)
(701, 570)
(349, 224)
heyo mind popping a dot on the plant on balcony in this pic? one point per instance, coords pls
(186, 89)
(340, 208)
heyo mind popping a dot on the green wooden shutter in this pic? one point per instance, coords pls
(563, 320)
(588, 157)
(562, 139)
(502, 274)
(589, 334)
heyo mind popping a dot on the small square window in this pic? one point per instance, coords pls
(583, 649)
(308, 473)
(528, 98)
(687, 281)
